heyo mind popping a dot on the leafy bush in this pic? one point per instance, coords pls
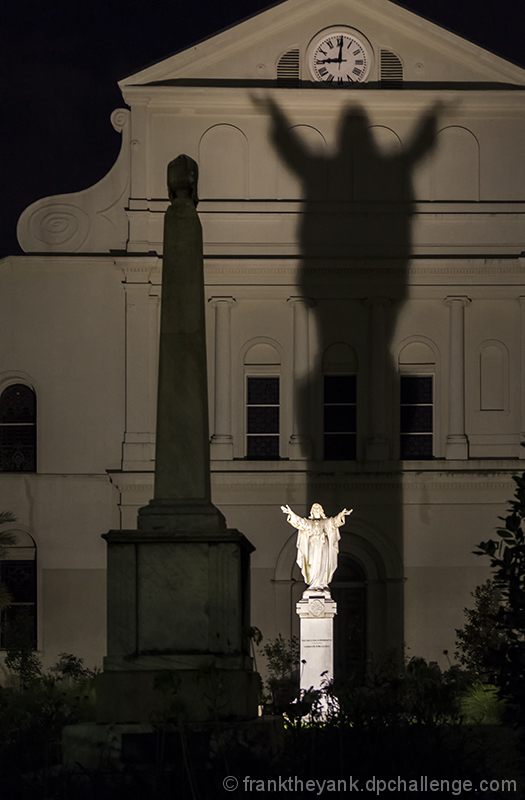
(32, 719)
(69, 666)
(401, 721)
(282, 657)
(482, 634)
(481, 704)
(419, 693)
(507, 557)
(20, 658)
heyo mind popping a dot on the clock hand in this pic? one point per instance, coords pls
(340, 52)
(330, 61)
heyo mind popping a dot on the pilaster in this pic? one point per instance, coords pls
(300, 444)
(142, 328)
(378, 444)
(221, 443)
(521, 453)
(457, 442)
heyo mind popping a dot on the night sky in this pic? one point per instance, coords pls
(61, 61)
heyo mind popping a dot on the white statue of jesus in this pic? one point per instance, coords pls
(317, 544)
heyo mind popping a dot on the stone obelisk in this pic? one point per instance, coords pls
(178, 586)
(182, 458)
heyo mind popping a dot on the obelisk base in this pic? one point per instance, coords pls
(216, 688)
(178, 609)
(316, 610)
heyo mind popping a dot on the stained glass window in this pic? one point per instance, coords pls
(262, 417)
(417, 414)
(340, 417)
(18, 429)
(19, 578)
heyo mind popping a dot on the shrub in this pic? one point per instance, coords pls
(482, 633)
(481, 704)
(20, 658)
(282, 657)
(507, 557)
(32, 719)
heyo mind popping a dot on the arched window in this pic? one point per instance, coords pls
(262, 365)
(18, 576)
(417, 366)
(18, 429)
(339, 365)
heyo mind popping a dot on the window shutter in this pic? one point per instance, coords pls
(391, 70)
(289, 68)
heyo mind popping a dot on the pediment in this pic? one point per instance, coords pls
(251, 50)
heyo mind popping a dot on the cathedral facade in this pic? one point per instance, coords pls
(362, 197)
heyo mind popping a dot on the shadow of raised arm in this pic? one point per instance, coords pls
(423, 137)
(286, 141)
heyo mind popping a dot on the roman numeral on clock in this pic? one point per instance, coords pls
(323, 71)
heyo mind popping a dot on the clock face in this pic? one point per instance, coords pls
(339, 57)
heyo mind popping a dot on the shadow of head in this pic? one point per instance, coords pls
(354, 129)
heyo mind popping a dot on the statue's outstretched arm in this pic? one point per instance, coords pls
(295, 521)
(340, 519)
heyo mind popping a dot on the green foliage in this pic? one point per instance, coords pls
(507, 557)
(69, 666)
(20, 658)
(401, 721)
(404, 722)
(482, 633)
(31, 725)
(419, 693)
(282, 656)
(481, 704)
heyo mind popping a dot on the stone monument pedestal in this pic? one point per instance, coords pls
(178, 607)
(316, 611)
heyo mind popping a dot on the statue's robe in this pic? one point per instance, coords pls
(317, 548)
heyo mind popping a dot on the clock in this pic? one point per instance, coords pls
(339, 56)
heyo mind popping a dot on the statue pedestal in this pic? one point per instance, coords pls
(316, 610)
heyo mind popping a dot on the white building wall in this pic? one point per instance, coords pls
(378, 253)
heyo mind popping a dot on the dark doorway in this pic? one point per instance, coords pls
(348, 589)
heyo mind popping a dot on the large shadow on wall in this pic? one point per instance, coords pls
(355, 245)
